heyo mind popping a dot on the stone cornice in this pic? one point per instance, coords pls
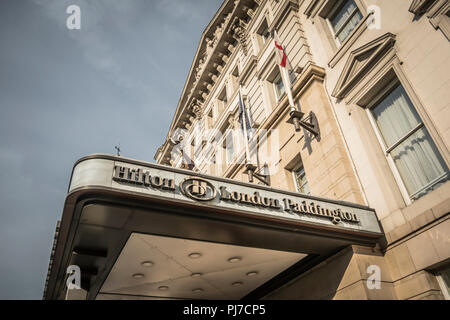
(313, 7)
(420, 6)
(217, 43)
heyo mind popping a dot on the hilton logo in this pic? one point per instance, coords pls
(198, 189)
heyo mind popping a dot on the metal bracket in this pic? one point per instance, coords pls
(296, 118)
(251, 172)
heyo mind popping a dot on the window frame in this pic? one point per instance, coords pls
(260, 33)
(235, 74)
(387, 150)
(229, 140)
(338, 6)
(278, 96)
(213, 167)
(294, 171)
(219, 105)
(318, 12)
(222, 102)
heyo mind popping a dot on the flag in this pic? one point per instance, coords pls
(285, 73)
(243, 117)
(245, 125)
(284, 57)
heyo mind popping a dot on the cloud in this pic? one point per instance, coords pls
(68, 93)
(94, 38)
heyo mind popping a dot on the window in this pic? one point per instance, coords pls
(443, 279)
(300, 180)
(407, 141)
(263, 34)
(213, 165)
(235, 78)
(278, 86)
(210, 119)
(343, 18)
(222, 100)
(229, 147)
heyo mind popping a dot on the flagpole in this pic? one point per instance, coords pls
(285, 77)
(244, 125)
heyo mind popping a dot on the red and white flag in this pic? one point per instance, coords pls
(285, 73)
(283, 59)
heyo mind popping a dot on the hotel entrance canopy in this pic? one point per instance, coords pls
(141, 230)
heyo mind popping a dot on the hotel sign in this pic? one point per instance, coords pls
(202, 190)
(165, 182)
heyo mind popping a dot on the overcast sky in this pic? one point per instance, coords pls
(65, 94)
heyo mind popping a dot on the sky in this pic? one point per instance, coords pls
(65, 94)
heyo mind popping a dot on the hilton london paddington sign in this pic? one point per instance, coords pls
(170, 183)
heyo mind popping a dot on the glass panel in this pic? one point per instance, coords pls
(419, 162)
(229, 148)
(302, 183)
(279, 86)
(395, 116)
(349, 27)
(266, 35)
(341, 16)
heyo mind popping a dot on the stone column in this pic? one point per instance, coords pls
(347, 275)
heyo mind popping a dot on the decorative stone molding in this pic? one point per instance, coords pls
(218, 67)
(219, 40)
(210, 44)
(437, 13)
(360, 61)
(199, 69)
(212, 76)
(196, 109)
(203, 94)
(313, 7)
(208, 86)
(249, 11)
(420, 6)
(238, 31)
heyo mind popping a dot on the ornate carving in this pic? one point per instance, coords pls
(210, 44)
(212, 76)
(196, 109)
(203, 94)
(199, 69)
(250, 12)
(238, 31)
(218, 67)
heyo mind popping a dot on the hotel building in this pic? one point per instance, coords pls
(346, 198)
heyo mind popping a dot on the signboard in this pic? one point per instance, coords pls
(166, 182)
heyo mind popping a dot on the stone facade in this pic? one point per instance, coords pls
(405, 42)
